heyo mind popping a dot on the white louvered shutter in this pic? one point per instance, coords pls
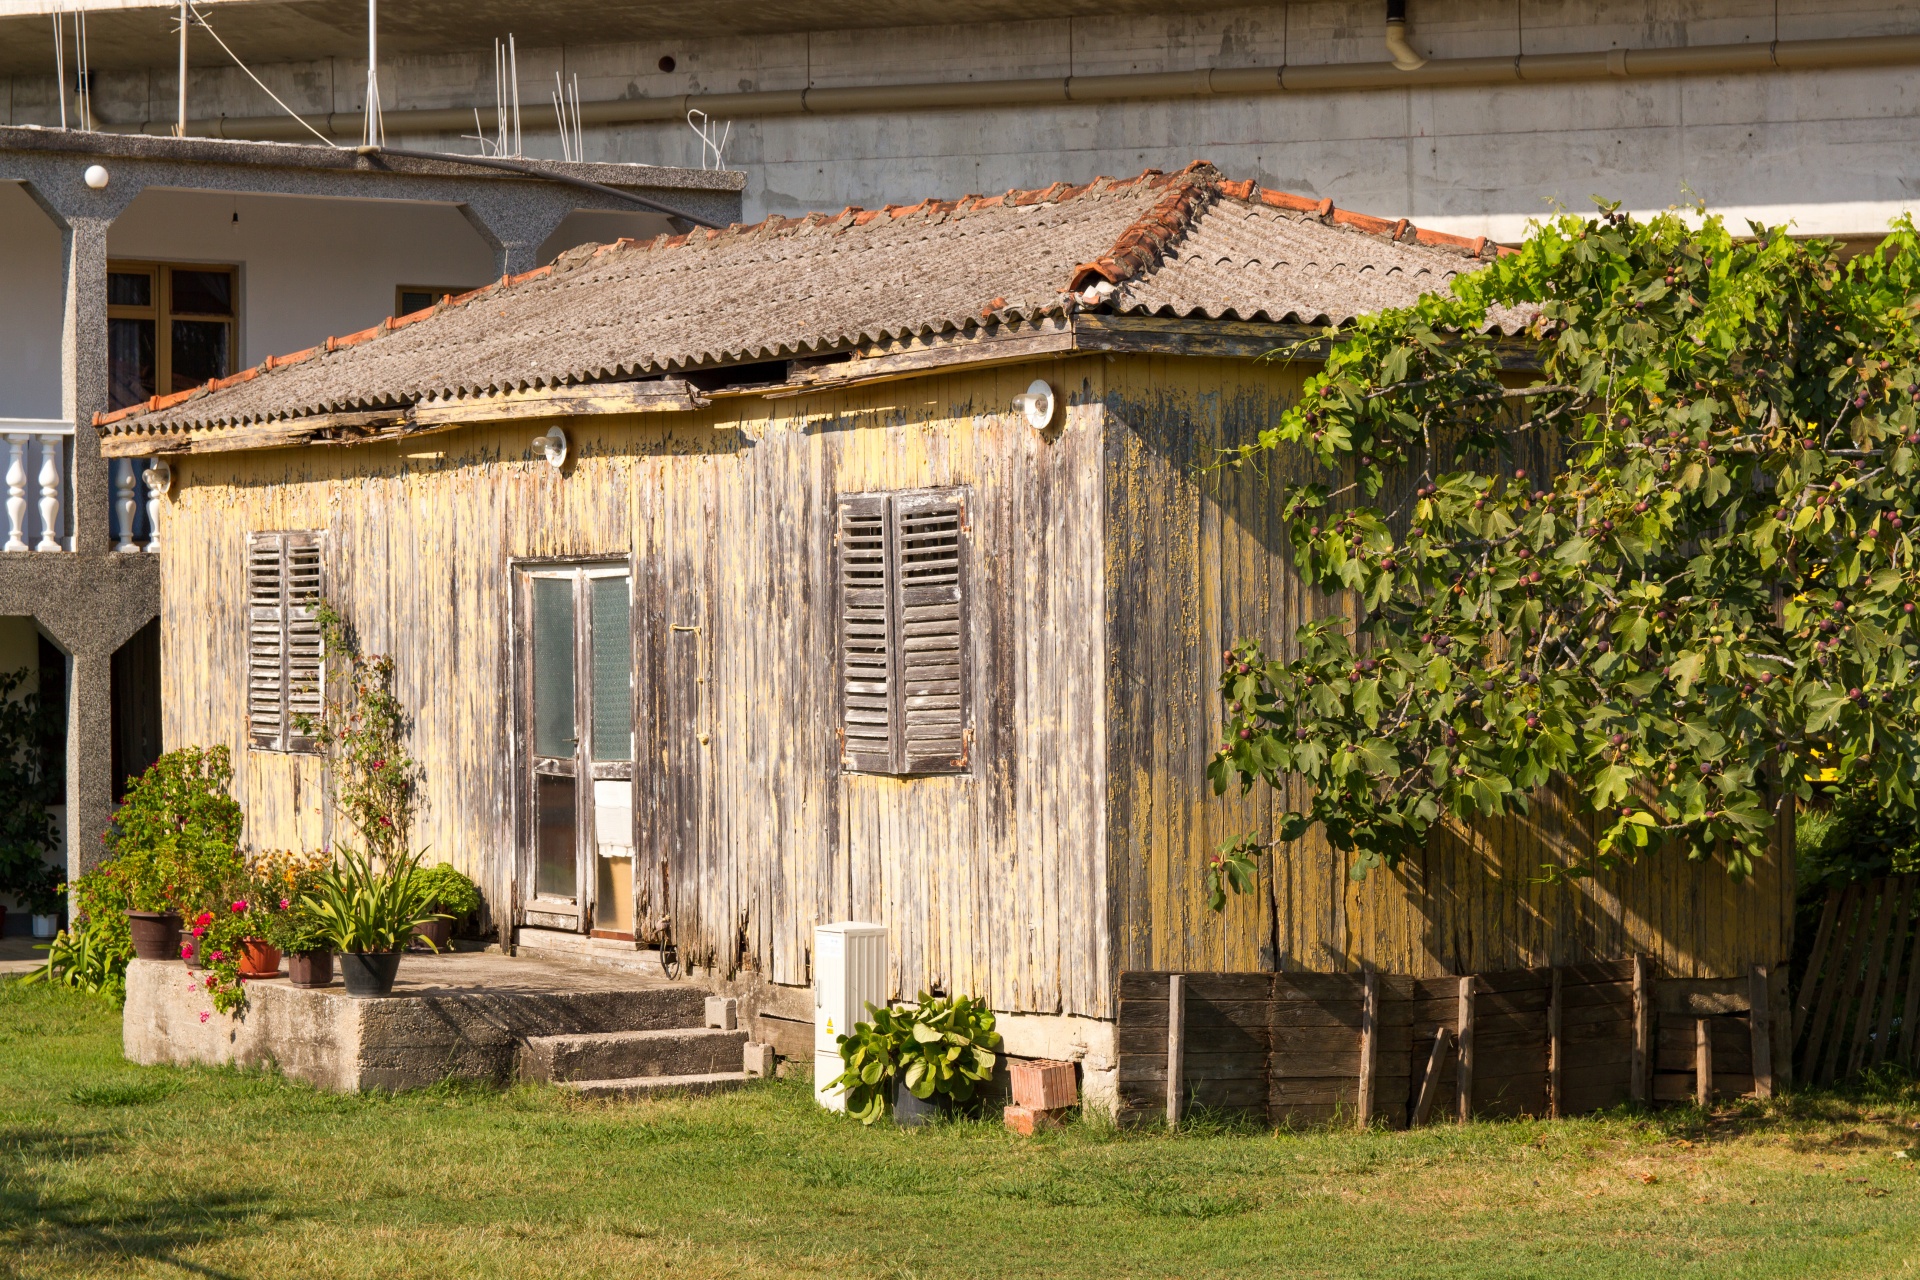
(304, 671)
(266, 639)
(283, 637)
(929, 575)
(865, 623)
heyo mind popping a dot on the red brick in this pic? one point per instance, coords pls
(1040, 1085)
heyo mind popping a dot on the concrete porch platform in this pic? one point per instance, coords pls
(464, 1016)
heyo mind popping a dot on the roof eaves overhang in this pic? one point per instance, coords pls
(1000, 343)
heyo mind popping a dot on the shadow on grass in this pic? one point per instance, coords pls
(84, 1228)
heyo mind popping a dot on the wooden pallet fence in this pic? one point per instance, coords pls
(1295, 1049)
(1858, 1001)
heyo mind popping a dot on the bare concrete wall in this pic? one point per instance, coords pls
(1831, 150)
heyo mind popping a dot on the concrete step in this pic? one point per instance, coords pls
(652, 1086)
(625, 1055)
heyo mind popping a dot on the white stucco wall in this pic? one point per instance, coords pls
(29, 308)
(1831, 150)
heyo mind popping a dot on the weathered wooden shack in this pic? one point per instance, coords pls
(737, 583)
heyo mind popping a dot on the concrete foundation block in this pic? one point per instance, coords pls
(723, 1012)
(463, 1016)
(758, 1061)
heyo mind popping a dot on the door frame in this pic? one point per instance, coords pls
(573, 915)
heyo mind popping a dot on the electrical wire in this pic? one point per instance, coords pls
(201, 19)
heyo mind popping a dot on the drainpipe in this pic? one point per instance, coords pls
(1533, 68)
(1404, 58)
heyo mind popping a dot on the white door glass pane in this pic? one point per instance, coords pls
(612, 668)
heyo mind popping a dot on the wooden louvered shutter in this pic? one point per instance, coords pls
(930, 628)
(865, 620)
(283, 637)
(303, 671)
(266, 639)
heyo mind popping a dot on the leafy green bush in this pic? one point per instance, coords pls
(363, 908)
(175, 844)
(941, 1046)
(29, 781)
(91, 956)
(448, 890)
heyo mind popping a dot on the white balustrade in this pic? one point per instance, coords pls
(31, 441)
(124, 503)
(159, 478)
(17, 490)
(52, 469)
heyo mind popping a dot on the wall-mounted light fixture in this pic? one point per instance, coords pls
(555, 445)
(1037, 403)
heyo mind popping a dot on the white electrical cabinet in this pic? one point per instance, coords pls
(849, 973)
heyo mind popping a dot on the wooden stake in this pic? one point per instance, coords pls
(1369, 1045)
(1762, 1028)
(1463, 1069)
(1430, 1083)
(1702, 1062)
(1642, 1026)
(1176, 1046)
(1555, 1051)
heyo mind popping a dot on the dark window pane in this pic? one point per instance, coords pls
(555, 870)
(612, 670)
(129, 289)
(129, 362)
(199, 352)
(553, 732)
(202, 293)
(412, 300)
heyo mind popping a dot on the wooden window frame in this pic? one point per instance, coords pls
(161, 312)
(284, 634)
(437, 291)
(885, 621)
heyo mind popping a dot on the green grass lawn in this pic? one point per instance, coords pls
(114, 1170)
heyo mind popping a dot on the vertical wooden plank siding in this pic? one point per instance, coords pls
(1196, 558)
(993, 882)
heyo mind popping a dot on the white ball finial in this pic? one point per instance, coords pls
(98, 177)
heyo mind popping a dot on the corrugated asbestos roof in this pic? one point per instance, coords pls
(1189, 244)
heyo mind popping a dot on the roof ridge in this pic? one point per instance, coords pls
(1140, 247)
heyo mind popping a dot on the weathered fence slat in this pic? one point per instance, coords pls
(1836, 982)
(1369, 1046)
(1760, 1026)
(1430, 1082)
(1890, 974)
(1555, 1049)
(1816, 960)
(1176, 1046)
(1910, 1012)
(1870, 983)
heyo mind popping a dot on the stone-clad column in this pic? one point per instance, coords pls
(516, 222)
(83, 375)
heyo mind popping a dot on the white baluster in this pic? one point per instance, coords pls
(159, 479)
(17, 492)
(124, 503)
(50, 472)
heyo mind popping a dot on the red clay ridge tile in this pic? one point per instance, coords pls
(1290, 202)
(1362, 222)
(1142, 244)
(865, 216)
(1239, 190)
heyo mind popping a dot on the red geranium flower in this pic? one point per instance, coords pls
(186, 951)
(204, 919)
(239, 908)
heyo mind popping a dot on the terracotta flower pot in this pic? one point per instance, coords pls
(438, 932)
(369, 973)
(259, 959)
(156, 934)
(312, 970)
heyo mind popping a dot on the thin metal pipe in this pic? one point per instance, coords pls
(534, 171)
(1606, 64)
(181, 130)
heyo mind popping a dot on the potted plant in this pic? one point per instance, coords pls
(276, 882)
(174, 842)
(917, 1061)
(368, 915)
(309, 955)
(450, 896)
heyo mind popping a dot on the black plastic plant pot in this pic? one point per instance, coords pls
(369, 973)
(156, 934)
(910, 1112)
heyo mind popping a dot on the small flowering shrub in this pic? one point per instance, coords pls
(360, 731)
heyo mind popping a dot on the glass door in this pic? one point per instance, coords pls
(577, 863)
